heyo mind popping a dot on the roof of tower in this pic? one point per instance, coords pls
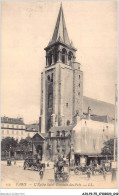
(60, 32)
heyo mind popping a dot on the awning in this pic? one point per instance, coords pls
(93, 155)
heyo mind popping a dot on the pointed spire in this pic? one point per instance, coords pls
(60, 31)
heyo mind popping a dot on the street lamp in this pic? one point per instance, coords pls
(10, 151)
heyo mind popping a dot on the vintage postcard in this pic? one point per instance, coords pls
(59, 95)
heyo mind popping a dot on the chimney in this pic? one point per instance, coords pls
(89, 110)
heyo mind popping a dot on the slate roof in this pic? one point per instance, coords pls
(105, 119)
(32, 127)
(39, 134)
(60, 32)
(99, 108)
(67, 130)
(8, 120)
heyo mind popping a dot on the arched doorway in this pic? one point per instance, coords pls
(39, 151)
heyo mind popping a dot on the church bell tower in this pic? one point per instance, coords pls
(61, 80)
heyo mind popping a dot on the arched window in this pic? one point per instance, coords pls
(50, 98)
(64, 55)
(52, 77)
(48, 77)
(50, 58)
(63, 133)
(55, 55)
(70, 55)
(68, 122)
(58, 133)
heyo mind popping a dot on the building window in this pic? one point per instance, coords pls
(28, 135)
(64, 55)
(52, 77)
(12, 132)
(55, 55)
(49, 134)
(21, 127)
(2, 125)
(50, 100)
(2, 131)
(58, 150)
(68, 122)
(63, 150)
(79, 76)
(58, 133)
(22, 133)
(67, 105)
(7, 131)
(48, 77)
(79, 85)
(70, 55)
(12, 126)
(63, 133)
(50, 58)
(79, 93)
(7, 126)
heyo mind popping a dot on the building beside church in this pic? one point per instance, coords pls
(62, 102)
(16, 128)
(12, 127)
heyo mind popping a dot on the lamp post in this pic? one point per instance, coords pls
(10, 152)
(114, 163)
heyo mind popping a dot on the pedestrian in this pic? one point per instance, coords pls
(104, 173)
(14, 162)
(41, 172)
(114, 177)
(88, 173)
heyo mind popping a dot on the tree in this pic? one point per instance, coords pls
(8, 144)
(25, 144)
(108, 148)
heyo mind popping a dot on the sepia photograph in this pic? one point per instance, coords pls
(59, 95)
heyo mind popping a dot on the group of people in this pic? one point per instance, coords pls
(94, 167)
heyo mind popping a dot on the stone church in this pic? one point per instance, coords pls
(62, 100)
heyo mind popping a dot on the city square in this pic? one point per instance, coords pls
(17, 177)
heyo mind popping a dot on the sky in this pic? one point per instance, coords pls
(27, 28)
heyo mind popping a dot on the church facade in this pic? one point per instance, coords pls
(62, 100)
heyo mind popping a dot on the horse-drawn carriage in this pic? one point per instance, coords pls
(33, 164)
(80, 169)
(61, 171)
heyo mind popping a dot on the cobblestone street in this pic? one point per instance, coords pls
(17, 177)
